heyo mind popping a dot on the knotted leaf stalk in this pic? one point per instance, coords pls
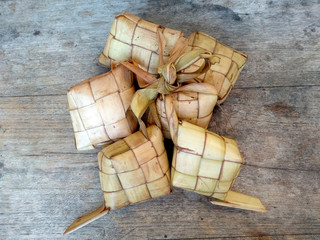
(172, 80)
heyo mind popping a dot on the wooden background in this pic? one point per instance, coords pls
(273, 113)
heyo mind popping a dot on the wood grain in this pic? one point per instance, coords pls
(273, 113)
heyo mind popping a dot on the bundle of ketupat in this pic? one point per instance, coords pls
(181, 80)
(133, 38)
(99, 108)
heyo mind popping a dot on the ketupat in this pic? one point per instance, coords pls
(133, 38)
(193, 107)
(99, 108)
(132, 170)
(224, 74)
(206, 163)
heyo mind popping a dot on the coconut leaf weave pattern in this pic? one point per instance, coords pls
(134, 169)
(222, 75)
(99, 108)
(192, 107)
(133, 38)
(204, 162)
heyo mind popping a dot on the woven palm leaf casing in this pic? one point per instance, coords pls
(192, 107)
(222, 75)
(99, 108)
(138, 169)
(131, 37)
(204, 162)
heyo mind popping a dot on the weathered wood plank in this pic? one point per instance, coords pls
(273, 113)
(183, 214)
(41, 167)
(266, 122)
(278, 37)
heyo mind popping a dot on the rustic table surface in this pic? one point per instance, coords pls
(273, 112)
